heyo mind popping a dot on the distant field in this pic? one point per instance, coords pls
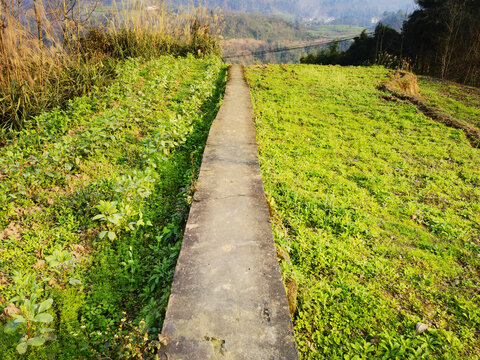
(334, 31)
(379, 210)
(461, 102)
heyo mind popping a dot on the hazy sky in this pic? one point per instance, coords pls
(317, 7)
(308, 8)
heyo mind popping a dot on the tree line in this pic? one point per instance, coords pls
(441, 38)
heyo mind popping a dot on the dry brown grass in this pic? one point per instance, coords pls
(406, 82)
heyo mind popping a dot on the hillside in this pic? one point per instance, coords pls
(273, 28)
(244, 33)
(262, 27)
(375, 212)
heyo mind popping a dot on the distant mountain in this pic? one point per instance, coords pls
(311, 9)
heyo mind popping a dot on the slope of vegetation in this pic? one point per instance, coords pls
(262, 27)
(93, 200)
(378, 208)
(275, 28)
(334, 31)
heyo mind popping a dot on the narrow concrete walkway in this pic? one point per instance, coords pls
(228, 300)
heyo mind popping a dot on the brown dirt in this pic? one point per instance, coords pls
(11, 309)
(404, 88)
(292, 293)
(3, 279)
(259, 67)
(27, 210)
(282, 254)
(40, 264)
(11, 230)
(290, 282)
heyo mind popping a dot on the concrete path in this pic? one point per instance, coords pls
(228, 300)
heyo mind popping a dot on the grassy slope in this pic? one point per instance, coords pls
(135, 144)
(379, 209)
(262, 27)
(461, 102)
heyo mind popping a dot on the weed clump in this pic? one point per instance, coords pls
(406, 82)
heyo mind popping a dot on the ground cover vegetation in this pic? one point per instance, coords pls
(54, 50)
(333, 31)
(262, 27)
(274, 28)
(375, 212)
(440, 38)
(93, 200)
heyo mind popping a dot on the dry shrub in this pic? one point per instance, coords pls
(406, 82)
(135, 29)
(393, 61)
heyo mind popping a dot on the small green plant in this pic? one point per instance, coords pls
(61, 262)
(29, 314)
(133, 190)
(131, 267)
(130, 340)
(110, 215)
(135, 342)
(33, 319)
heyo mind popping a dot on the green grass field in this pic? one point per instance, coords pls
(334, 31)
(93, 202)
(379, 210)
